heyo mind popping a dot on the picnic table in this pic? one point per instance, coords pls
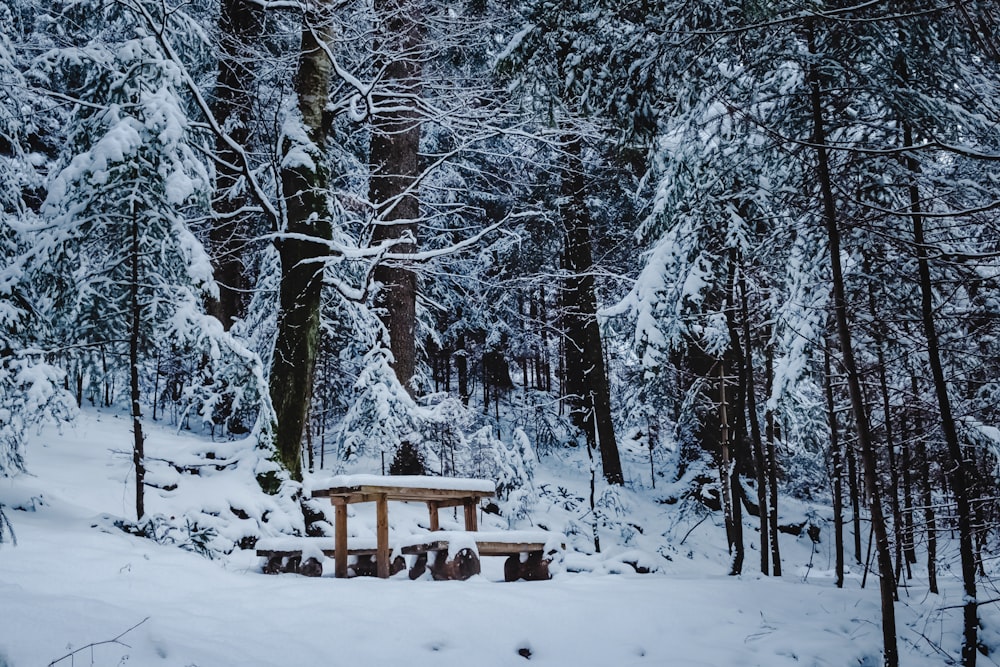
(436, 492)
(453, 554)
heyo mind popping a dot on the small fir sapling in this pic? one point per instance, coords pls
(407, 460)
(511, 467)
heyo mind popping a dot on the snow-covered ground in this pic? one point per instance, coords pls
(74, 579)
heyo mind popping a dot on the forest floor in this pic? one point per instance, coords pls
(73, 579)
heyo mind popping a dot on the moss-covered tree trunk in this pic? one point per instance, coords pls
(302, 248)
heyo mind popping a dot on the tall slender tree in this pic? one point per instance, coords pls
(858, 409)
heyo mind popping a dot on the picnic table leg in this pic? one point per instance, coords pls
(432, 509)
(340, 541)
(382, 535)
(471, 520)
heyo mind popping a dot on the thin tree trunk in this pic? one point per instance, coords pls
(462, 367)
(725, 471)
(838, 470)
(302, 252)
(906, 461)
(156, 382)
(959, 474)
(734, 439)
(855, 491)
(886, 583)
(756, 440)
(890, 443)
(543, 314)
(138, 453)
(772, 467)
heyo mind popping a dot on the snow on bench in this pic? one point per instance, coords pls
(455, 554)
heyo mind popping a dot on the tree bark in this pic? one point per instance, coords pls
(240, 24)
(586, 376)
(302, 250)
(886, 583)
(394, 167)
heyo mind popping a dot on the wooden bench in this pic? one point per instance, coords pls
(304, 555)
(448, 555)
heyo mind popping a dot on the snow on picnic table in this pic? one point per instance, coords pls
(319, 482)
(73, 580)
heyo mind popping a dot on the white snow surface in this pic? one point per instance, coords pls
(73, 579)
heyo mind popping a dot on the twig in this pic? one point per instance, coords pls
(978, 604)
(113, 640)
(691, 529)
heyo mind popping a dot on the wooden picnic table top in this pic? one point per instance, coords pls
(418, 488)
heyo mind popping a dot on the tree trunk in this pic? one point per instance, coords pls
(906, 462)
(838, 470)
(772, 468)
(734, 439)
(755, 436)
(544, 323)
(462, 368)
(855, 491)
(394, 167)
(138, 453)
(240, 25)
(959, 474)
(586, 375)
(886, 583)
(923, 465)
(302, 252)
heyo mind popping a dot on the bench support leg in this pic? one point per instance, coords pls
(382, 535)
(471, 520)
(432, 510)
(340, 541)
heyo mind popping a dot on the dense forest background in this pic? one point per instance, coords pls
(756, 240)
